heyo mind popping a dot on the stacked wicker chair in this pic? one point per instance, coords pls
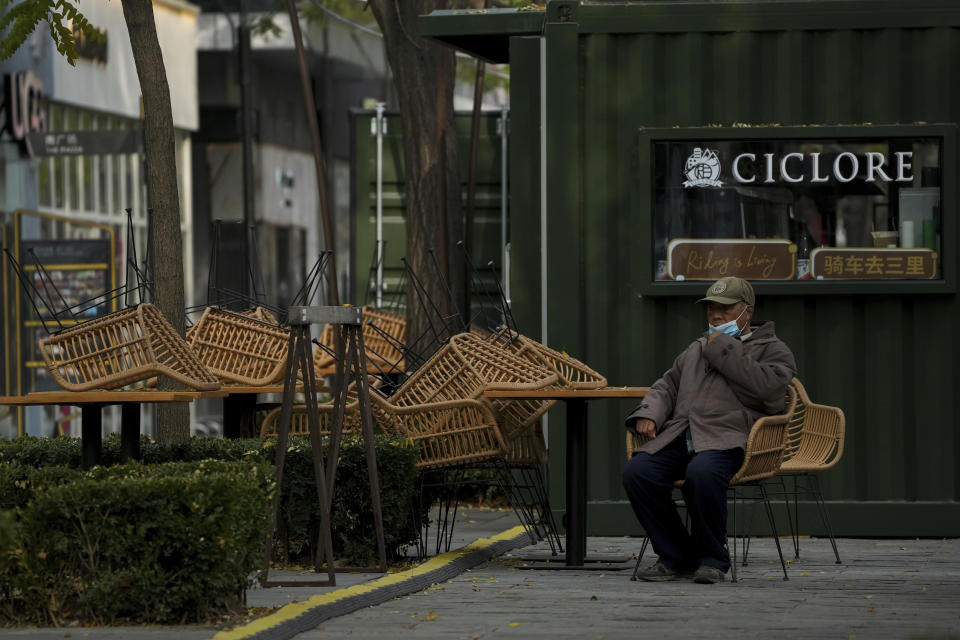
(459, 372)
(527, 454)
(571, 374)
(247, 349)
(384, 334)
(123, 348)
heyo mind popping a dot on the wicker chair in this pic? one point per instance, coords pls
(519, 415)
(384, 334)
(299, 424)
(571, 373)
(814, 443)
(240, 348)
(123, 348)
(467, 366)
(763, 455)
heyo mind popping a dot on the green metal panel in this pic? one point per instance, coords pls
(525, 183)
(885, 355)
(487, 202)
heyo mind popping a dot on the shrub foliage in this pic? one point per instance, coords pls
(179, 535)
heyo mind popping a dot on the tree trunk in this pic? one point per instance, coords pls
(424, 76)
(172, 420)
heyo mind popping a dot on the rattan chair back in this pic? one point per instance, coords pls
(384, 334)
(448, 433)
(572, 373)
(123, 348)
(240, 348)
(815, 435)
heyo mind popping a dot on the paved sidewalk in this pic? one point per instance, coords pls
(884, 589)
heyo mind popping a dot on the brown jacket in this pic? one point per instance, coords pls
(719, 390)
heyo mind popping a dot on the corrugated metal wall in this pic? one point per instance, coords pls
(887, 360)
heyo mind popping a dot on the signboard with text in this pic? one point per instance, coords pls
(709, 259)
(873, 264)
(71, 277)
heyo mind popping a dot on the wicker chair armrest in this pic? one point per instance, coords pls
(548, 379)
(634, 441)
(764, 451)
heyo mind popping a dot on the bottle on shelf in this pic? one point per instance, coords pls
(803, 257)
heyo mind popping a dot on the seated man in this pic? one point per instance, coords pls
(697, 418)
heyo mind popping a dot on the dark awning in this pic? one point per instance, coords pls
(483, 33)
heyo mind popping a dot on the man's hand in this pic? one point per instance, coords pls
(712, 336)
(646, 427)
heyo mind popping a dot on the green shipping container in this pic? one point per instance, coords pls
(600, 92)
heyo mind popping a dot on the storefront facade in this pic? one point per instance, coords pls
(72, 162)
(809, 146)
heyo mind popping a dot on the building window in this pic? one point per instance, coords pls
(842, 208)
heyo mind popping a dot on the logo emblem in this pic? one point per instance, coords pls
(702, 169)
(718, 287)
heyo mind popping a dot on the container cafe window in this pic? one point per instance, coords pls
(797, 209)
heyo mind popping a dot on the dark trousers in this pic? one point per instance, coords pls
(648, 480)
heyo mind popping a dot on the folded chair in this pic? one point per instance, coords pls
(123, 348)
(814, 443)
(762, 458)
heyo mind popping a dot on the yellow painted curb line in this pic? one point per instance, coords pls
(295, 609)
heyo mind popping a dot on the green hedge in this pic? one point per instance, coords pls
(298, 524)
(164, 543)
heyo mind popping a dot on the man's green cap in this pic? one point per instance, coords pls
(728, 290)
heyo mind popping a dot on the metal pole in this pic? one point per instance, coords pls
(310, 107)
(380, 123)
(246, 145)
(504, 249)
(472, 184)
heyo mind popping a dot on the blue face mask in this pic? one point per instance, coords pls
(731, 328)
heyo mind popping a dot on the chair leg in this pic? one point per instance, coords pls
(818, 496)
(733, 513)
(773, 527)
(643, 549)
(505, 480)
(796, 518)
(546, 513)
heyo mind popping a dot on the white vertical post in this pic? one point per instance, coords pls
(380, 128)
(543, 212)
(505, 258)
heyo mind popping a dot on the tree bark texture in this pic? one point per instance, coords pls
(172, 420)
(424, 76)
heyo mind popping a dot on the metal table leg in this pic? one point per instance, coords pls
(130, 431)
(576, 482)
(91, 434)
(238, 410)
